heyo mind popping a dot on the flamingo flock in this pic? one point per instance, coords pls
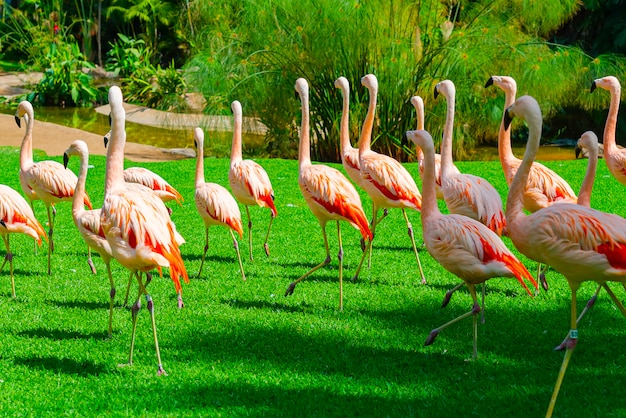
(543, 218)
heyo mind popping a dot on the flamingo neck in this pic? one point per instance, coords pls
(611, 120)
(365, 139)
(515, 199)
(430, 209)
(235, 152)
(26, 150)
(505, 152)
(200, 163)
(344, 132)
(304, 153)
(584, 195)
(446, 143)
(78, 201)
(115, 153)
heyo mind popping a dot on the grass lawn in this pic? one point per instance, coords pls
(244, 349)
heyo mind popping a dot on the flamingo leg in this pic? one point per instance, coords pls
(236, 245)
(150, 303)
(541, 277)
(474, 311)
(134, 313)
(369, 246)
(206, 247)
(340, 258)
(249, 233)
(619, 304)
(266, 247)
(411, 235)
(324, 263)
(448, 296)
(90, 261)
(112, 298)
(50, 238)
(9, 257)
(482, 311)
(130, 280)
(571, 345)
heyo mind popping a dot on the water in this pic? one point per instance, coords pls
(217, 144)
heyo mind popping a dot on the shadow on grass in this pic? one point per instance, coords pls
(59, 335)
(81, 304)
(269, 305)
(62, 365)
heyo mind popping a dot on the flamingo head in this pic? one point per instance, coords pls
(418, 104)
(302, 88)
(587, 141)
(342, 83)
(370, 82)
(235, 106)
(198, 138)
(422, 140)
(606, 83)
(506, 83)
(445, 87)
(24, 109)
(525, 108)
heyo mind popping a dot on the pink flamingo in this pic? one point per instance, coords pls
(215, 204)
(136, 224)
(385, 180)
(544, 187)
(614, 157)
(462, 245)
(418, 104)
(248, 180)
(45, 180)
(580, 243)
(330, 196)
(16, 217)
(88, 221)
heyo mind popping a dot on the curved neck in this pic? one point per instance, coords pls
(199, 163)
(26, 150)
(584, 195)
(78, 204)
(419, 115)
(235, 152)
(365, 139)
(344, 132)
(304, 153)
(446, 143)
(515, 198)
(115, 153)
(505, 152)
(430, 209)
(611, 120)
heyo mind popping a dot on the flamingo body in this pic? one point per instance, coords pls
(153, 181)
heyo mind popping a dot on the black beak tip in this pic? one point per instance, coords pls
(17, 120)
(507, 120)
(578, 152)
(489, 82)
(404, 140)
(436, 92)
(4, 225)
(106, 141)
(593, 87)
(66, 159)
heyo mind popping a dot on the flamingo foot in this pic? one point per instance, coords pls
(446, 298)
(568, 343)
(181, 304)
(431, 337)
(267, 249)
(161, 371)
(290, 289)
(125, 365)
(91, 266)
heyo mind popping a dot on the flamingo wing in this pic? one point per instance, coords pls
(89, 226)
(616, 163)
(18, 215)
(218, 207)
(152, 181)
(331, 196)
(472, 251)
(52, 182)
(390, 178)
(544, 188)
(251, 185)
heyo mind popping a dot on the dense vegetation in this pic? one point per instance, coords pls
(254, 51)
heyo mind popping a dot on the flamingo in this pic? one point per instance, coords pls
(385, 180)
(248, 180)
(215, 204)
(16, 216)
(140, 175)
(579, 242)
(462, 245)
(615, 158)
(88, 221)
(418, 104)
(328, 193)
(544, 187)
(136, 224)
(45, 180)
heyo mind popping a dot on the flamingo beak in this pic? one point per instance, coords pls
(593, 86)
(66, 159)
(489, 82)
(436, 92)
(578, 151)
(507, 119)
(107, 138)
(17, 120)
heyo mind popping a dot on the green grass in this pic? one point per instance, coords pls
(244, 349)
